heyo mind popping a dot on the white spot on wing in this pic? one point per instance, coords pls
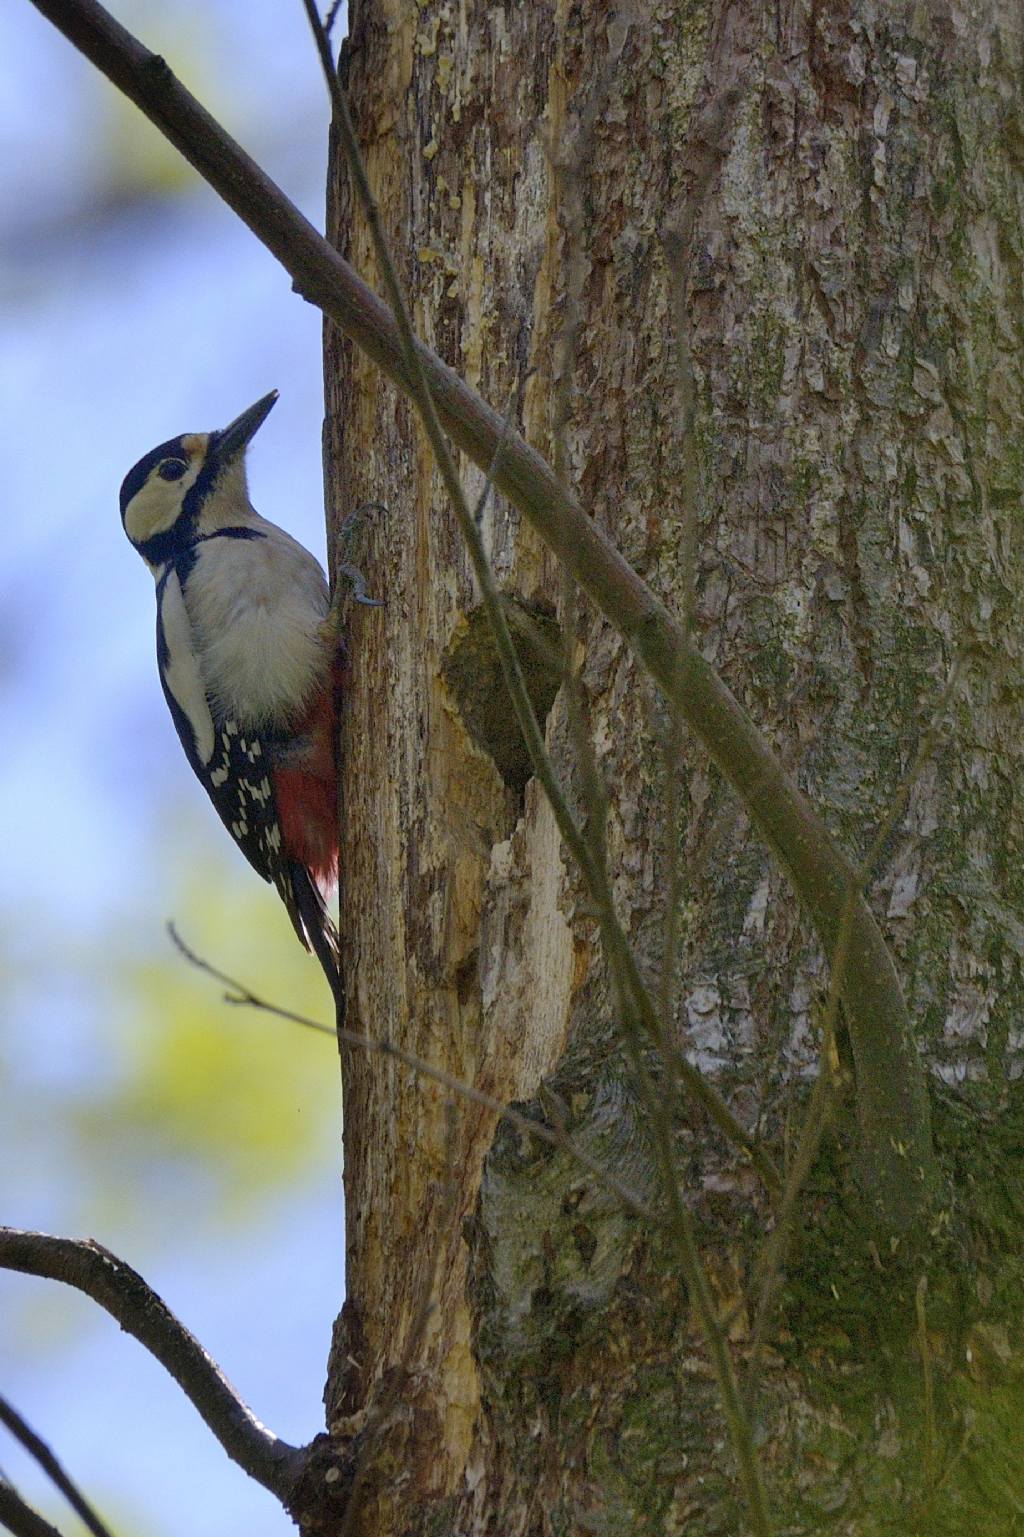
(181, 673)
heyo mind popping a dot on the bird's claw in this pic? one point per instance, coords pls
(357, 582)
(352, 573)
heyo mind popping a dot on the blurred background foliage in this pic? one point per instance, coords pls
(200, 1142)
(217, 1110)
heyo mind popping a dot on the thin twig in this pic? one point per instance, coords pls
(115, 1286)
(492, 468)
(566, 166)
(578, 844)
(771, 1259)
(623, 966)
(639, 1017)
(37, 1448)
(924, 1346)
(708, 138)
(239, 994)
(695, 1274)
(892, 1101)
(689, 498)
(707, 141)
(19, 1518)
(674, 893)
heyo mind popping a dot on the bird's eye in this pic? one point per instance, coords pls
(172, 469)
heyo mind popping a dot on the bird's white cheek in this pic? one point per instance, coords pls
(152, 510)
(155, 508)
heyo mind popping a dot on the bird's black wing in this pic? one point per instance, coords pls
(231, 760)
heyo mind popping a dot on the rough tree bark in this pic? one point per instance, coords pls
(855, 288)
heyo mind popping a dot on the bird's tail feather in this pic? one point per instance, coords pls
(308, 912)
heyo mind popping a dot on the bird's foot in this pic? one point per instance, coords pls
(345, 568)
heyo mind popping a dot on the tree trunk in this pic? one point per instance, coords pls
(842, 186)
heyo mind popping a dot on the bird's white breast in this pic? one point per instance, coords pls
(256, 607)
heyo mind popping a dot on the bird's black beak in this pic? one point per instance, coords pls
(238, 434)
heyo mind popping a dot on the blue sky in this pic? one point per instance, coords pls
(134, 306)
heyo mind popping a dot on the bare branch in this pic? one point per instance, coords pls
(892, 1102)
(637, 1011)
(579, 844)
(92, 1269)
(20, 1519)
(238, 993)
(931, 1441)
(680, 1221)
(37, 1448)
(654, 1021)
(566, 164)
(639, 1016)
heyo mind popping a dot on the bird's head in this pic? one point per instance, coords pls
(190, 485)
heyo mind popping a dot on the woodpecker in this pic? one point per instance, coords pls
(250, 662)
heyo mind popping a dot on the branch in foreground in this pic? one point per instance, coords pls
(37, 1448)
(587, 851)
(238, 993)
(584, 849)
(900, 1171)
(87, 1266)
(680, 1222)
(20, 1519)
